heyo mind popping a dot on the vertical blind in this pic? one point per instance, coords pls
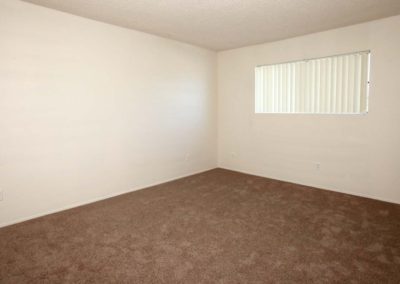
(329, 85)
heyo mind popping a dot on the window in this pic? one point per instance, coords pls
(330, 85)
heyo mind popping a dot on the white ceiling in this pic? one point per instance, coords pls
(226, 24)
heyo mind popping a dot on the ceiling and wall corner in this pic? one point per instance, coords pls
(227, 24)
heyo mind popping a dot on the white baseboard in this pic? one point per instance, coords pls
(315, 186)
(176, 178)
(97, 199)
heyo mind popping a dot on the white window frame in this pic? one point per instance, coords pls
(367, 86)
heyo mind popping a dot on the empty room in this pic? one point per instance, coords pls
(182, 141)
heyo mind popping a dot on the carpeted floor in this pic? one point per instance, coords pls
(216, 227)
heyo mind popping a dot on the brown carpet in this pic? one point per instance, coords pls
(216, 227)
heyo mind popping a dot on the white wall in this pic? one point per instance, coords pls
(358, 154)
(89, 110)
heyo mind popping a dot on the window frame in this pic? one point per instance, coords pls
(367, 87)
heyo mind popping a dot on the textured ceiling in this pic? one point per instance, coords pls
(226, 24)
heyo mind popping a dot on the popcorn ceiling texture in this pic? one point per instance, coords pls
(226, 24)
(216, 227)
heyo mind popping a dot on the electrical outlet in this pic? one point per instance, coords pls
(1, 195)
(187, 156)
(317, 166)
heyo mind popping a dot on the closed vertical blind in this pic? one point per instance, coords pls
(330, 85)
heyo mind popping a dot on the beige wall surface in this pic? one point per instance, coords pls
(89, 110)
(358, 154)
